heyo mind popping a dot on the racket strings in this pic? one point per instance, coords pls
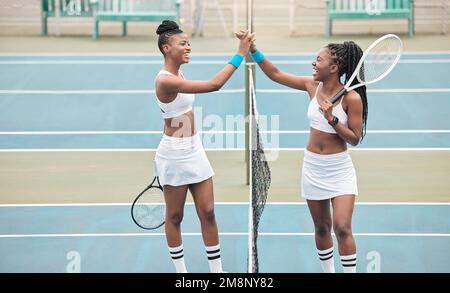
(379, 60)
(149, 209)
(145, 209)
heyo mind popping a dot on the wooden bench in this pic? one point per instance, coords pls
(369, 9)
(66, 8)
(133, 10)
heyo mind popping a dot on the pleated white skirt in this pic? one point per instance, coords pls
(328, 176)
(181, 161)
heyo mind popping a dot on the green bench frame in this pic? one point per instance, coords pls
(48, 9)
(103, 11)
(394, 9)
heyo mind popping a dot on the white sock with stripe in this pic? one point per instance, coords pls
(326, 260)
(177, 255)
(214, 260)
(348, 263)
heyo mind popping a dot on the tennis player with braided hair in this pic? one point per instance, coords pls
(180, 161)
(328, 174)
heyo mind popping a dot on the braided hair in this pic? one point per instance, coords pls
(347, 56)
(165, 30)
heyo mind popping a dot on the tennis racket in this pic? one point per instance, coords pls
(149, 210)
(375, 64)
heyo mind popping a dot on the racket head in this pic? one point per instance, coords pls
(379, 59)
(148, 210)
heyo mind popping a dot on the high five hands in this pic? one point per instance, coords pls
(247, 41)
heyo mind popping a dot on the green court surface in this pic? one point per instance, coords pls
(89, 177)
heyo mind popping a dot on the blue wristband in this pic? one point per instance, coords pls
(258, 56)
(236, 60)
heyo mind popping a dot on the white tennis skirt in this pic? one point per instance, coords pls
(181, 161)
(328, 176)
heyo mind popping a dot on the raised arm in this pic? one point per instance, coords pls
(175, 84)
(293, 81)
(284, 78)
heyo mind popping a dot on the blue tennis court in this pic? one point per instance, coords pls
(56, 104)
(102, 238)
(97, 102)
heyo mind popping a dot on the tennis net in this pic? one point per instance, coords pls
(260, 178)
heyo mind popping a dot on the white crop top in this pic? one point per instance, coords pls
(316, 119)
(180, 105)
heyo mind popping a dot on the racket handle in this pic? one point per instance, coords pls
(336, 97)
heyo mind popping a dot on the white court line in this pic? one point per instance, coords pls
(423, 90)
(315, 53)
(363, 149)
(425, 52)
(224, 91)
(111, 132)
(381, 203)
(112, 235)
(108, 62)
(404, 61)
(90, 62)
(137, 54)
(214, 150)
(99, 92)
(362, 234)
(77, 92)
(398, 131)
(220, 233)
(199, 54)
(408, 90)
(288, 203)
(100, 204)
(200, 62)
(110, 150)
(109, 54)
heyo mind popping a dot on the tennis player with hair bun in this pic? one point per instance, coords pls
(328, 174)
(180, 160)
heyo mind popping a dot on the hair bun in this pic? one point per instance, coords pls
(346, 46)
(349, 45)
(167, 25)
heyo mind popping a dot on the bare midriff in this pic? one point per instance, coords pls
(180, 126)
(325, 143)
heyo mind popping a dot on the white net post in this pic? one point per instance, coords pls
(249, 75)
